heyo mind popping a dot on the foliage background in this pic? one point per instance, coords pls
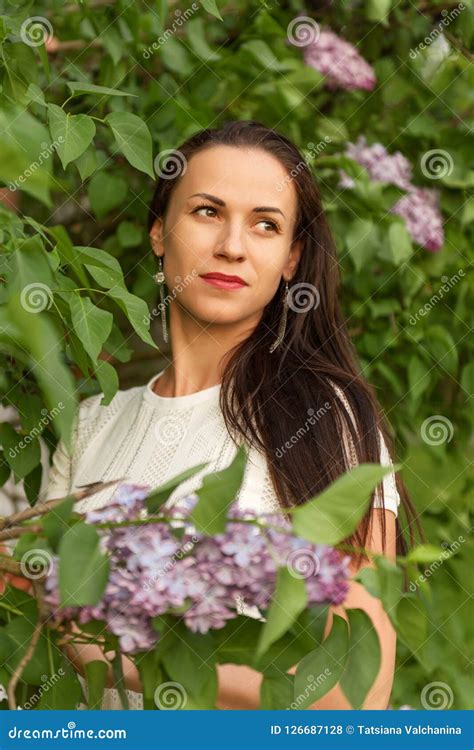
(234, 62)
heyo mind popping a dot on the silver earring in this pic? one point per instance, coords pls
(282, 326)
(159, 277)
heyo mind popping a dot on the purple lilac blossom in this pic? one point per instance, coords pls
(419, 207)
(339, 61)
(153, 572)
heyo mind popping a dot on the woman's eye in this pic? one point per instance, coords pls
(272, 224)
(204, 208)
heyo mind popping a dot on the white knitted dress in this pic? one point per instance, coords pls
(149, 439)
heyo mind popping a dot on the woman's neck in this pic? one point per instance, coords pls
(199, 352)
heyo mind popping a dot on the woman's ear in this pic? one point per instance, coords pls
(156, 237)
(293, 260)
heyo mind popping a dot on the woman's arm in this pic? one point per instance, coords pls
(239, 685)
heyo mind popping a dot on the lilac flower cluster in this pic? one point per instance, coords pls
(149, 575)
(419, 207)
(339, 61)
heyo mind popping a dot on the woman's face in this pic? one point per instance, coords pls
(228, 232)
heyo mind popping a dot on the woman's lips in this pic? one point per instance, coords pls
(223, 283)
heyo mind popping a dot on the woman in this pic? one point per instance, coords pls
(260, 354)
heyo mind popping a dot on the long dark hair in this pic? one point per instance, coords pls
(266, 397)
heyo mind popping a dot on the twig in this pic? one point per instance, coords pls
(18, 531)
(18, 671)
(42, 508)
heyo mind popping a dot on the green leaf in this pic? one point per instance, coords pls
(20, 631)
(419, 377)
(106, 192)
(129, 235)
(192, 665)
(362, 240)
(86, 164)
(176, 57)
(211, 7)
(107, 376)
(288, 601)
(363, 658)
(96, 677)
(81, 87)
(61, 692)
(412, 623)
(467, 378)
(276, 693)
(196, 32)
(442, 347)
(71, 134)
(378, 10)
(83, 568)
(22, 452)
(399, 241)
(425, 553)
(263, 55)
(133, 140)
(322, 668)
(94, 257)
(334, 515)
(90, 323)
(26, 163)
(136, 310)
(44, 346)
(159, 496)
(217, 493)
(119, 679)
(151, 675)
(56, 522)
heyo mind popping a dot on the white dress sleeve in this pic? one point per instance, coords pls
(391, 495)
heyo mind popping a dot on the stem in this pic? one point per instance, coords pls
(40, 509)
(11, 609)
(28, 653)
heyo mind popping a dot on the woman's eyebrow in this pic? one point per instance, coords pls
(220, 202)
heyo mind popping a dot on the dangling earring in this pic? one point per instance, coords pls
(282, 326)
(159, 277)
